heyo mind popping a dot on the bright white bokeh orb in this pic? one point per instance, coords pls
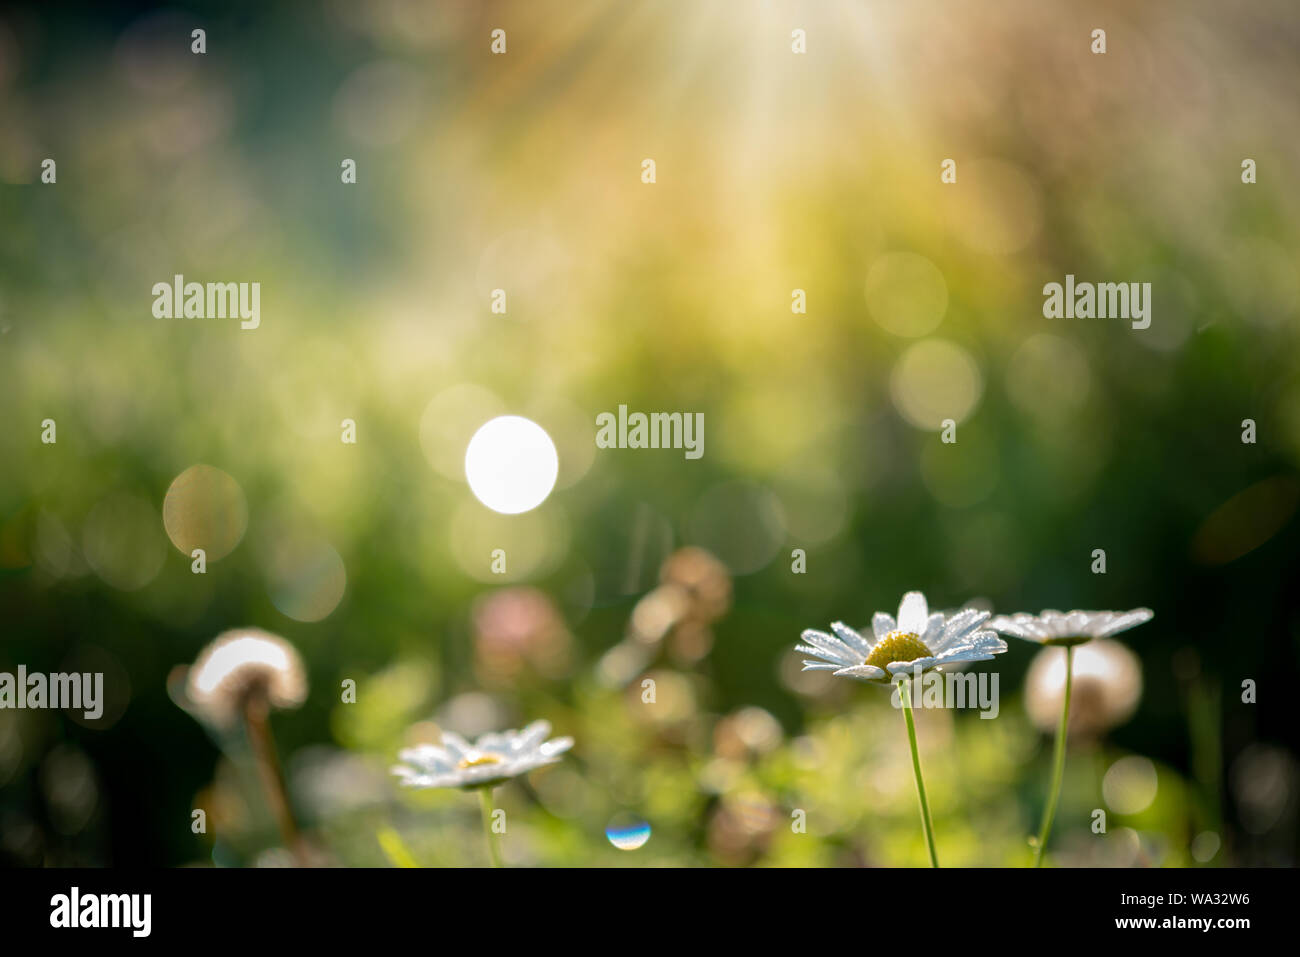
(511, 464)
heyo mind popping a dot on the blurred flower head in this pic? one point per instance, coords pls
(490, 760)
(705, 580)
(240, 665)
(694, 591)
(749, 732)
(519, 628)
(742, 826)
(917, 640)
(1264, 781)
(659, 612)
(1105, 687)
(1071, 628)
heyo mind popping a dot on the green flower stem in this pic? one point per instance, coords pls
(905, 696)
(1058, 763)
(494, 848)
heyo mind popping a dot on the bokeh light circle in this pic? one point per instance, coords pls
(1048, 378)
(935, 380)
(205, 508)
(1130, 785)
(1001, 212)
(121, 542)
(511, 464)
(740, 522)
(449, 422)
(1204, 846)
(906, 294)
(533, 543)
(305, 576)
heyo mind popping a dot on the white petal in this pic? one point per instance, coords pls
(958, 627)
(1055, 625)
(882, 624)
(420, 781)
(457, 746)
(913, 613)
(907, 667)
(531, 735)
(851, 638)
(1125, 621)
(990, 641)
(557, 746)
(496, 742)
(832, 649)
(934, 629)
(966, 620)
(818, 653)
(1016, 629)
(865, 672)
(1019, 625)
(427, 757)
(1078, 623)
(982, 641)
(968, 653)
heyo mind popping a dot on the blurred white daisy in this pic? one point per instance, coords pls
(1069, 628)
(1066, 630)
(236, 681)
(491, 759)
(917, 639)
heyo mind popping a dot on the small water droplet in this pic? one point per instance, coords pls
(627, 832)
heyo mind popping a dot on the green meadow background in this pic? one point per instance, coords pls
(774, 171)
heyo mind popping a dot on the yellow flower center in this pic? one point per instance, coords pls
(478, 760)
(897, 646)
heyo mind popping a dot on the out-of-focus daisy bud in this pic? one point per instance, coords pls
(242, 675)
(659, 612)
(517, 629)
(705, 579)
(1107, 685)
(242, 665)
(741, 827)
(749, 732)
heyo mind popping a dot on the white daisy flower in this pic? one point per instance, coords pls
(917, 640)
(490, 760)
(1065, 630)
(1069, 628)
